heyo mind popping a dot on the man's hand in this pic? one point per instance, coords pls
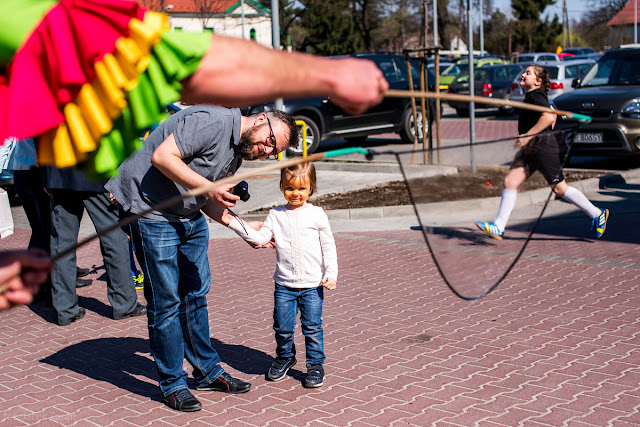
(329, 283)
(22, 272)
(222, 196)
(361, 85)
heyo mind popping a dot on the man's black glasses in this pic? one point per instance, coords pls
(271, 142)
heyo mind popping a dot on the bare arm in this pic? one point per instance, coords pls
(237, 72)
(168, 160)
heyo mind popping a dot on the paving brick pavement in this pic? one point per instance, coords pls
(558, 343)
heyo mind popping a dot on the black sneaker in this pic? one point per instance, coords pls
(315, 376)
(226, 384)
(182, 400)
(81, 272)
(138, 310)
(279, 368)
(80, 315)
(81, 283)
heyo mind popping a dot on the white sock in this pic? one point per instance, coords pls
(507, 202)
(576, 197)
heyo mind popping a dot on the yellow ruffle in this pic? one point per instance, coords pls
(91, 115)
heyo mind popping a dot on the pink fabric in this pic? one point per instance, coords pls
(57, 59)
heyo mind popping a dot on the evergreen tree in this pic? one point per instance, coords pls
(535, 35)
(330, 28)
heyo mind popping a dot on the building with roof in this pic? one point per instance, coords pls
(246, 19)
(622, 25)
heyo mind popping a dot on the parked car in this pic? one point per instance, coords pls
(593, 56)
(326, 120)
(579, 50)
(442, 65)
(610, 95)
(537, 57)
(562, 77)
(565, 56)
(493, 81)
(462, 67)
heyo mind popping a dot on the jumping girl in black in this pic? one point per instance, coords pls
(543, 153)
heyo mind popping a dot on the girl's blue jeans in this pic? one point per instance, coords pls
(287, 302)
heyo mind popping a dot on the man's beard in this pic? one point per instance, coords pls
(247, 145)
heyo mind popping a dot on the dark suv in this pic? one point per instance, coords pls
(326, 120)
(610, 94)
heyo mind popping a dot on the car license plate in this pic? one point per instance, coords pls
(589, 137)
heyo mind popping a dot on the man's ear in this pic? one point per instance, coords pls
(261, 118)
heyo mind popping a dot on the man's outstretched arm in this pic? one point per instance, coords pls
(237, 73)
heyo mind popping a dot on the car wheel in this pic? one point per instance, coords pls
(356, 140)
(462, 112)
(313, 138)
(408, 131)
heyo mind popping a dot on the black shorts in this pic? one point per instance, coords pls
(544, 153)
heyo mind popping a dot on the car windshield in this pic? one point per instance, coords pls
(526, 58)
(614, 70)
(456, 69)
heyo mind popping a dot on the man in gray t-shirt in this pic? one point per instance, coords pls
(192, 148)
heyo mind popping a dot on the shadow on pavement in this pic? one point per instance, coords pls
(120, 361)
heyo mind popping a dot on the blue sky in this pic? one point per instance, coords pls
(575, 8)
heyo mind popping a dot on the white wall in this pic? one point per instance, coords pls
(228, 24)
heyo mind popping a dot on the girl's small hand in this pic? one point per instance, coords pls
(329, 283)
(522, 141)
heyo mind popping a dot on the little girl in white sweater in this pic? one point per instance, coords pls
(306, 264)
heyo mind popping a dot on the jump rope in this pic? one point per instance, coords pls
(369, 155)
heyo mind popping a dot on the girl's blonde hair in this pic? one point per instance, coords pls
(543, 75)
(301, 170)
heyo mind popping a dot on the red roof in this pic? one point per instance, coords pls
(218, 6)
(625, 16)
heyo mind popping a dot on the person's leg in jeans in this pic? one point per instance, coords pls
(66, 212)
(285, 310)
(115, 253)
(310, 302)
(169, 307)
(195, 282)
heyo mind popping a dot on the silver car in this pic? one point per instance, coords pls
(563, 77)
(538, 56)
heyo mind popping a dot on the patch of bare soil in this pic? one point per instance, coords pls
(485, 182)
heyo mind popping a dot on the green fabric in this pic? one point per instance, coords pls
(173, 59)
(165, 92)
(18, 19)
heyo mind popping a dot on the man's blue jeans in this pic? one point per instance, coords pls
(177, 279)
(309, 302)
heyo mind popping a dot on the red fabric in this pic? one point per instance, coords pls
(57, 59)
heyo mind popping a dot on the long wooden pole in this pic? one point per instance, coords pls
(396, 93)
